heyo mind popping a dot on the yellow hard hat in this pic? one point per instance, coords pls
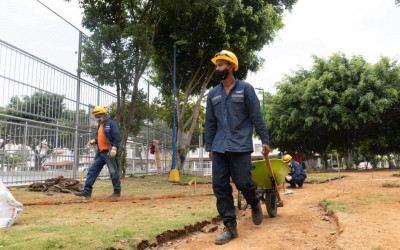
(99, 110)
(227, 56)
(287, 158)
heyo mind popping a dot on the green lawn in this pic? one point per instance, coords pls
(100, 224)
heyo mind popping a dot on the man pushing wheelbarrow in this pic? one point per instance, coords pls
(233, 110)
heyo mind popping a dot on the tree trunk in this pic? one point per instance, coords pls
(127, 126)
(325, 162)
(348, 155)
(210, 73)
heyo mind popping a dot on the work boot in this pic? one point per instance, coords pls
(117, 193)
(229, 233)
(257, 214)
(83, 193)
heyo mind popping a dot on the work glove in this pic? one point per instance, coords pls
(288, 178)
(113, 152)
(91, 142)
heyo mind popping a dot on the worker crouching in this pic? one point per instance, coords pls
(296, 175)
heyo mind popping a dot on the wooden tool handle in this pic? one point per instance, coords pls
(271, 173)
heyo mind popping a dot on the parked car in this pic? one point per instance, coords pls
(363, 164)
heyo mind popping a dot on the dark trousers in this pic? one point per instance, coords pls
(237, 166)
(100, 160)
(299, 181)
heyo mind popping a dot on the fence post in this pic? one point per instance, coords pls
(78, 95)
(201, 148)
(24, 148)
(56, 136)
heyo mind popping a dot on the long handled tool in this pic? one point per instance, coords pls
(271, 173)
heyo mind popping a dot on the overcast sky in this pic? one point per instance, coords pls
(370, 28)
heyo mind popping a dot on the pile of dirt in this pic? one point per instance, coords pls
(313, 181)
(56, 185)
(391, 185)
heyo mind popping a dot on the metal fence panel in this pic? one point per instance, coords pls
(43, 137)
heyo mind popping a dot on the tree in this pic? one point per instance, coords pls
(291, 123)
(338, 104)
(40, 106)
(165, 113)
(142, 114)
(119, 50)
(389, 72)
(43, 107)
(207, 27)
(48, 108)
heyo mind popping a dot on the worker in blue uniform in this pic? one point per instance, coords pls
(296, 175)
(232, 112)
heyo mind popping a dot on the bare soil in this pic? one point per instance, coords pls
(368, 217)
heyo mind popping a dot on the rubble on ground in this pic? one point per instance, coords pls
(56, 185)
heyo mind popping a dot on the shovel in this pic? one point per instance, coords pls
(271, 173)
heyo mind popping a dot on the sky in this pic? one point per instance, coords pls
(369, 28)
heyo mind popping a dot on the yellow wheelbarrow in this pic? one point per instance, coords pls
(267, 183)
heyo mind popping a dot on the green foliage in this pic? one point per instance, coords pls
(165, 110)
(208, 27)
(338, 104)
(142, 113)
(13, 159)
(119, 50)
(40, 106)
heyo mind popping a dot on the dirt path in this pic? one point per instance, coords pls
(370, 219)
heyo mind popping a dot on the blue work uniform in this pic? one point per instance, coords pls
(297, 173)
(230, 120)
(113, 136)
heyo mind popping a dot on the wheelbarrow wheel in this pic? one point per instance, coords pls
(271, 203)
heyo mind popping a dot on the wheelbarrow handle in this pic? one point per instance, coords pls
(271, 173)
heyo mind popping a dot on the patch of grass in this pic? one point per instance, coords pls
(153, 185)
(321, 178)
(336, 205)
(100, 225)
(380, 197)
(3, 243)
(51, 244)
(184, 179)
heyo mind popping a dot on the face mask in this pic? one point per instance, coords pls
(222, 74)
(100, 120)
